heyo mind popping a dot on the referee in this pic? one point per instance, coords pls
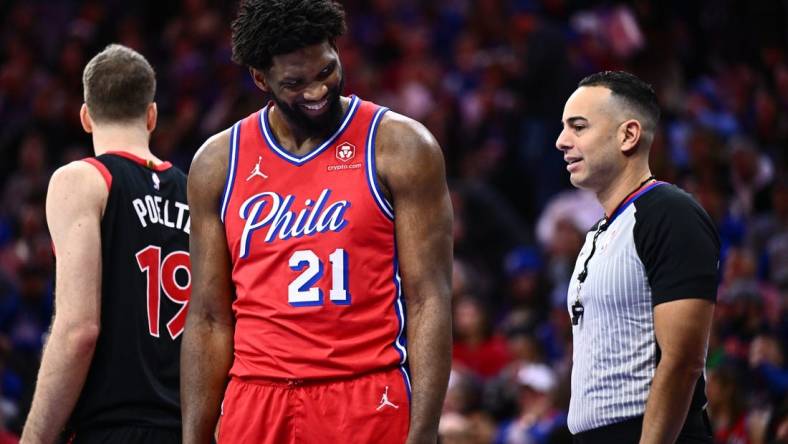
(643, 289)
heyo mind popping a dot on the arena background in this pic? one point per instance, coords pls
(489, 78)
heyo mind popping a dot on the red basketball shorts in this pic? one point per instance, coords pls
(373, 408)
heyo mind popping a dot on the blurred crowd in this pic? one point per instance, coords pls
(489, 78)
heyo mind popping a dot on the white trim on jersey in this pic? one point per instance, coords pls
(400, 315)
(354, 104)
(380, 199)
(231, 169)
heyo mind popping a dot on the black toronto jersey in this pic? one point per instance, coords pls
(145, 287)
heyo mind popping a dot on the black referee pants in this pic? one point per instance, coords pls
(696, 430)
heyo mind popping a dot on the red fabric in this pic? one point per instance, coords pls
(486, 359)
(103, 170)
(734, 434)
(146, 163)
(8, 438)
(338, 412)
(299, 231)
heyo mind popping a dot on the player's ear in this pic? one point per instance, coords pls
(84, 118)
(259, 79)
(151, 116)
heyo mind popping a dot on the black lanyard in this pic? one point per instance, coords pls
(577, 306)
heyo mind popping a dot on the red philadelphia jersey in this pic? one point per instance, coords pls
(314, 260)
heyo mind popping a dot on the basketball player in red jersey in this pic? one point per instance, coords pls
(120, 227)
(321, 239)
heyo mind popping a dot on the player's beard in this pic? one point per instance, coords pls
(323, 124)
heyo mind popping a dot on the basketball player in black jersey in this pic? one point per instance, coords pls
(120, 227)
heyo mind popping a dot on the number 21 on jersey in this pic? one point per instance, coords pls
(160, 276)
(302, 292)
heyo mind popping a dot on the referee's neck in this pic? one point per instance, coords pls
(620, 187)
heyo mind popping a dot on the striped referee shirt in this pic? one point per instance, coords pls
(659, 246)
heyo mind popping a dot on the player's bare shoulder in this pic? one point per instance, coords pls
(404, 149)
(77, 184)
(399, 135)
(209, 166)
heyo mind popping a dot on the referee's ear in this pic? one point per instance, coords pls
(630, 133)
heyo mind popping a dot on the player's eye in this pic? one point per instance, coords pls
(290, 84)
(328, 70)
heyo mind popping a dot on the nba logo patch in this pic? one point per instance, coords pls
(346, 151)
(156, 180)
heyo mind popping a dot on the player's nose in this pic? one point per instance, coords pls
(316, 92)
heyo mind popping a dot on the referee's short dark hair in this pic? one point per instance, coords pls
(267, 28)
(119, 84)
(634, 92)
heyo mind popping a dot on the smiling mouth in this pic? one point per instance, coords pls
(317, 106)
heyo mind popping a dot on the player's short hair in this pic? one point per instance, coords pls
(636, 94)
(119, 84)
(267, 28)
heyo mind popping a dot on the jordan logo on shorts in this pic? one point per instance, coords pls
(384, 400)
(256, 171)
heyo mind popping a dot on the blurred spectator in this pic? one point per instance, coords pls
(477, 346)
(520, 329)
(561, 252)
(455, 429)
(538, 417)
(752, 174)
(579, 207)
(777, 430)
(745, 305)
(561, 229)
(769, 236)
(727, 406)
(527, 286)
(30, 179)
(767, 360)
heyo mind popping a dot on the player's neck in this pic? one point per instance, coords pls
(298, 140)
(122, 138)
(621, 187)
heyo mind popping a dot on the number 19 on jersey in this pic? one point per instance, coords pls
(160, 276)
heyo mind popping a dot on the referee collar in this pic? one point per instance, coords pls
(631, 198)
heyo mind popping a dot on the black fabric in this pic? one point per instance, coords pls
(678, 245)
(133, 378)
(128, 435)
(696, 430)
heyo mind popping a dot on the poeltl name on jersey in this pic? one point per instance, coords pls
(270, 210)
(155, 210)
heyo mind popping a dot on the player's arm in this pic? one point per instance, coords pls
(207, 347)
(682, 331)
(74, 206)
(411, 168)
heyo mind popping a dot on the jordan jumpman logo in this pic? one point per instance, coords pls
(256, 171)
(384, 400)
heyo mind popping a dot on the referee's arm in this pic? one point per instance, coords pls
(679, 247)
(682, 331)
